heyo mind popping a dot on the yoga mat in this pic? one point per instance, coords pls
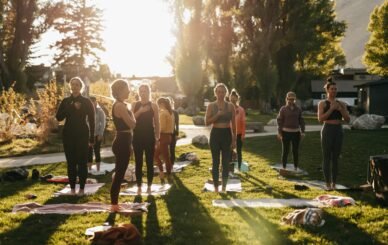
(233, 185)
(266, 203)
(176, 168)
(244, 166)
(89, 189)
(289, 169)
(69, 208)
(104, 168)
(318, 184)
(156, 190)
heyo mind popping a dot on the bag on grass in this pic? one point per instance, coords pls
(15, 174)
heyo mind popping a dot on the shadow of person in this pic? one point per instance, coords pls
(189, 215)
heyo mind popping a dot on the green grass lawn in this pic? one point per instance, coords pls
(186, 215)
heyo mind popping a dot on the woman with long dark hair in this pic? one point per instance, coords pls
(332, 113)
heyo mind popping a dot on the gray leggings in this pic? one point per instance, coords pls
(220, 142)
(331, 141)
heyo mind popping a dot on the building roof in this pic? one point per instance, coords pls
(342, 85)
(372, 83)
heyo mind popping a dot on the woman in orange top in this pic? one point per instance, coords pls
(166, 119)
(240, 124)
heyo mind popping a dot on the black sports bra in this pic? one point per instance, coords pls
(119, 122)
(335, 115)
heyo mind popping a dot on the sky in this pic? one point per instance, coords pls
(137, 37)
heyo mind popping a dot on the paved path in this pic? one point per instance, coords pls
(190, 131)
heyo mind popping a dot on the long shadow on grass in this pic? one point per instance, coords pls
(152, 229)
(265, 231)
(337, 230)
(191, 222)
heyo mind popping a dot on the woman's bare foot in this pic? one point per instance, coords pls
(216, 189)
(98, 166)
(333, 186)
(72, 192)
(81, 192)
(223, 190)
(149, 190)
(328, 187)
(139, 190)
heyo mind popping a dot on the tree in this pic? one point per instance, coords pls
(22, 23)
(188, 61)
(376, 50)
(81, 26)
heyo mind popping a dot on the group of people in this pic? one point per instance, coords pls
(147, 128)
(151, 129)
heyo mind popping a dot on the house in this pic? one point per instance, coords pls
(372, 97)
(346, 80)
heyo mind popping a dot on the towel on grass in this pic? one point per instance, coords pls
(233, 185)
(89, 189)
(176, 168)
(156, 190)
(317, 184)
(70, 208)
(244, 166)
(335, 201)
(104, 168)
(289, 170)
(267, 203)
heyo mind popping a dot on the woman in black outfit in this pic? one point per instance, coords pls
(330, 113)
(77, 134)
(124, 122)
(145, 135)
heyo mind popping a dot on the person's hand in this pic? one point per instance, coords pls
(220, 113)
(99, 137)
(302, 135)
(280, 137)
(77, 105)
(335, 105)
(91, 144)
(233, 145)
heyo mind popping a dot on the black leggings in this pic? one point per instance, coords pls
(96, 148)
(220, 142)
(144, 145)
(121, 148)
(294, 139)
(76, 152)
(239, 144)
(331, 141)
(172, 148)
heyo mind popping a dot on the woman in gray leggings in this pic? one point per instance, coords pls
(332, 113)
(220, 114)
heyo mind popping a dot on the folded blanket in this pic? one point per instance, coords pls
(69, 208)
(233, 185)
(308, 216)
(104, 169)
(89, 189)
(156, 190)
(335, 201)
(176, 168)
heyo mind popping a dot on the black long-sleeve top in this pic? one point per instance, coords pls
(75, 123)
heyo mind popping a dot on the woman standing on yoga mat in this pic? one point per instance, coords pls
(77, 134)
(145, 135)
(291, 128)
(332, 113)
(240, 124)
(221, 115)
(124, 122)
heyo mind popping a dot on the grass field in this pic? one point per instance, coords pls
(186, 215)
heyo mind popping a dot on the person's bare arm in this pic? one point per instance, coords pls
(155, 108)
(121, 111)
(234, 130)
(344, 111)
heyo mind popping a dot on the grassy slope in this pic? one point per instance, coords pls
(186, 216)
